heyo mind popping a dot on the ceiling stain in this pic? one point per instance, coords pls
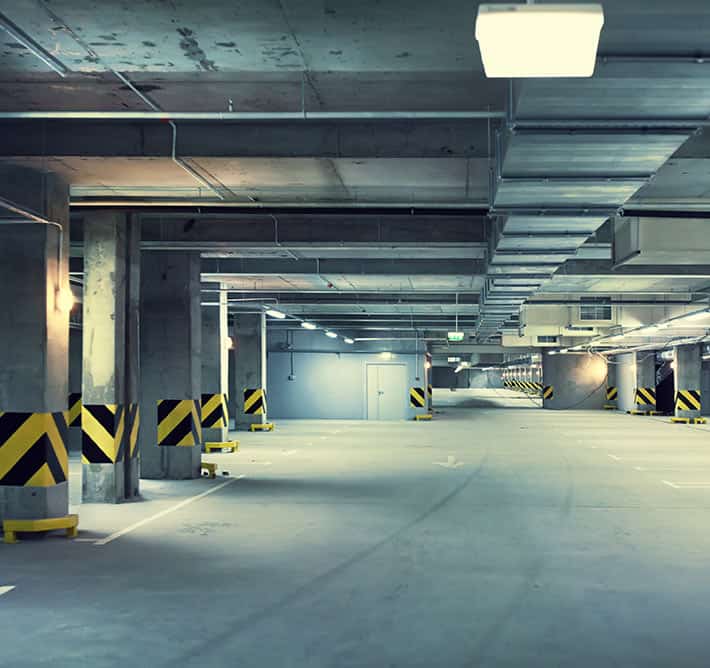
(194, 52)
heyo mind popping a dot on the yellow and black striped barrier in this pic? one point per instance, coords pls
(612, 394)
(133, 423)
(214, 411)
(689, 420)
(74, 416)
(645, 396)
(548, 391)
(416, 397)
(102, 428)
(33, 450)
(687, 400)
(107, 430)
(255, 401)
(179, 422)
(430, 393)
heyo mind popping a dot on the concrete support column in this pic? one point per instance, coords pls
(688, 380)
(612, 387)
(110, 412)
(170, 438)
(250, 372)
(645, 393)
(234, 394)
(573, 381)
(75, 365)
(428, 387)
(34, 355)
(215, 372)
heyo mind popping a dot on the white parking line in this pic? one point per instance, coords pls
(6, 588)
(618, 459)
(163, 513)
(686, 469)
(687, 485)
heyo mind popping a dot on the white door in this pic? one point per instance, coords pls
(386, 392)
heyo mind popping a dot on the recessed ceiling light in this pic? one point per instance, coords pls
(275, 314)
(308, 325)
(539, 40)
(347, 339)
(331, 335)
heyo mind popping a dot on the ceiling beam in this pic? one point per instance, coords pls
(413, 138)
(212, 268)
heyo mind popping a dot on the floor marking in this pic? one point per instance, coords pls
(84, 540)
(288, 453)
(450, 463)
(167, 511)
(685, 469)
(687, 485)
(618, 459)
(6, 588)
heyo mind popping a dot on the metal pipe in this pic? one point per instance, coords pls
(98, 203)
(183, 165)
(36, 49)
(25, 212)
(635, 302)
(159, 115)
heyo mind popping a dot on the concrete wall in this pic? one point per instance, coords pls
(330, 376)
(445, 377)
(705, 389)
(579, 381)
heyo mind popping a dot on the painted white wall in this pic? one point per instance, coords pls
(330, 385)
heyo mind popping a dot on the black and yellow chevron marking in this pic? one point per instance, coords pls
(612, 393)
(133, 423)
(102, 429)
(687, 400)
(255, 401)
(430, 391)
(645, 396)
(33, 451)
(214, 411)
(548, 392)
(179, 422)
(417, 397)
(74, 418)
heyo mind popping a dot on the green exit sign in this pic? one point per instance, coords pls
(455, 336)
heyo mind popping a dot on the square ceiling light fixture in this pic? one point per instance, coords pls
(545, 40)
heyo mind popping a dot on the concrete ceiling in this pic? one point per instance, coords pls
(498, 195)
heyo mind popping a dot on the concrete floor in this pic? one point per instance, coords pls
(497, 535)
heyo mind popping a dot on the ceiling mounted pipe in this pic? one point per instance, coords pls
(249, 115)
